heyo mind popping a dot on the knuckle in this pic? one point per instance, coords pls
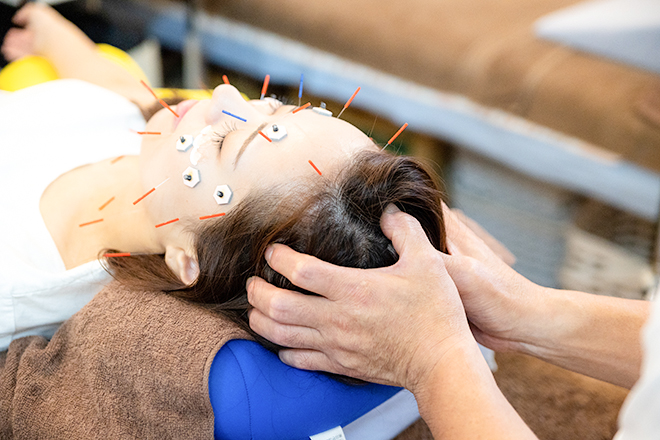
(435, 259)
(278, 308)
(285, 337)
(472, 265)
(279, 335)
(304, 360)
(301, 272)
(407, 220)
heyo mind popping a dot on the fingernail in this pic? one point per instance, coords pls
(284, 355)
(248, 282)
(269, 252)
(391, 209)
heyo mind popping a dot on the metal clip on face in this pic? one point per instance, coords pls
(191, 177)
(222, 194)
(321, 110)
(276, 132)
(184, 142)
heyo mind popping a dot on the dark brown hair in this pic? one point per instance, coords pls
(336, 220)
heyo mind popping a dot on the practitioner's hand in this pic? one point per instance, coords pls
(390, 325)
(498, 248)
(498, 301)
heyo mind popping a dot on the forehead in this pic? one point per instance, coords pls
(326, 130)
(315, 144)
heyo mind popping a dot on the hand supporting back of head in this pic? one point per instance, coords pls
(389, 325)
(403, 324)
(589, 334)
(500, 303)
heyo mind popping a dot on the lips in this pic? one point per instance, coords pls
(182, 108)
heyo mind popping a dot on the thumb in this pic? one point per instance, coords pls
(405, 232)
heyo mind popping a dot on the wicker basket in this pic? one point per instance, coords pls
(529, 217)
(608, 252)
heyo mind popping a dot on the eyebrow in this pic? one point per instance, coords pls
(247, 142)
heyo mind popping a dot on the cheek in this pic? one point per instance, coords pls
(159, 160)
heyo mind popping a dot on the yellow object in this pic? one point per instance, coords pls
(32, 70)
(184, 93)
(25, 72)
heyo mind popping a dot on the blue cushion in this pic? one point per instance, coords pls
(256, 396)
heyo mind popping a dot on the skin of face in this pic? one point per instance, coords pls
(327, 141)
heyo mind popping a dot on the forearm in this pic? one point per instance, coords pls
(74, 55)
(591, 334)
(461, 400)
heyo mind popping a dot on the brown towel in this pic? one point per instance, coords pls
(128, 365)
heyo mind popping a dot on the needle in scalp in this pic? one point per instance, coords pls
(349, 102)
(403, 127)
(265, 86)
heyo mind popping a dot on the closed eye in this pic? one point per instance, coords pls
(218, 137)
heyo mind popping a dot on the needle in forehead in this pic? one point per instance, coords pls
(247, 142)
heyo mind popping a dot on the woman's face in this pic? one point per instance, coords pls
(233, 153)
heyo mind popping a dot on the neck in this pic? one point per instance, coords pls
(99, 197)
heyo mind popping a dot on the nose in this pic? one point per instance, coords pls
(228, 98)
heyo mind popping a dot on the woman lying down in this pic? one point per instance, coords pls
(165, 350)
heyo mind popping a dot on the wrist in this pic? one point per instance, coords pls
(523, 315)
(462, 368)
(460, 353)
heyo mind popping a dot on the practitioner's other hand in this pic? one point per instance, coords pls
(390, 325)
(40, 28)
(498, 301)
(496, 246)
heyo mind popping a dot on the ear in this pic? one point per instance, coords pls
(182, 264)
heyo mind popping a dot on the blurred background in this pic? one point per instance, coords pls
(542, 118)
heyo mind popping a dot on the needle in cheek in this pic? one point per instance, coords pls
(90, 223)
(107, 203)
(160, 225)
(205, 217)
(150, 191)
(160, 101)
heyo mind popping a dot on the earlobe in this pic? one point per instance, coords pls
(183, 265)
